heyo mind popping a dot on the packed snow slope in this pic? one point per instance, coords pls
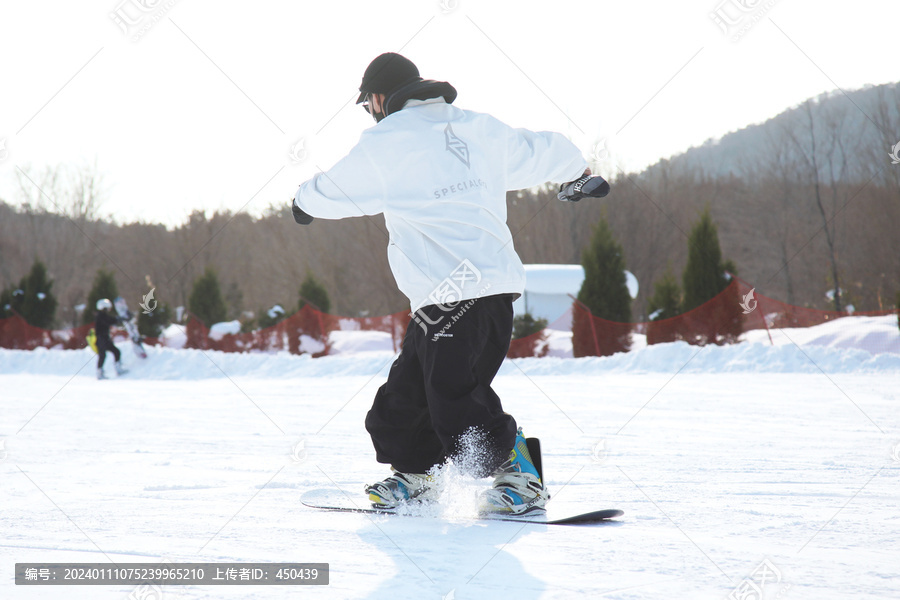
(753, 468)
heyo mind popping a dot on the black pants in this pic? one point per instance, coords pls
(438, 392)
(104, 345)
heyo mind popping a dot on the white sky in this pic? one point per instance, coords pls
(203, 109)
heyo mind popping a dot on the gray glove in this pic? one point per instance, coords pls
(586, 186)
(301, 217)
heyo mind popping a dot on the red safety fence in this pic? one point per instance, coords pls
(305, 332)
(721, 320)
(16, 333)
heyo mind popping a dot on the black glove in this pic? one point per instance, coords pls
(301, 217)
(586, 186)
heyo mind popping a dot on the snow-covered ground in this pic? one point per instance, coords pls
(734, 465)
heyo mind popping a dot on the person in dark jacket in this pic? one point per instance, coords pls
(106, 318)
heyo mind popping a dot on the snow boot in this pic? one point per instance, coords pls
(518, 488)
(119, 370)
(400, 488)
(100, 374)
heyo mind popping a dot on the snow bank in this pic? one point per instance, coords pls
(220, 330)
(875, 335)
(181, 364)
(847, 345)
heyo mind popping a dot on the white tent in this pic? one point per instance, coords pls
(549, 290)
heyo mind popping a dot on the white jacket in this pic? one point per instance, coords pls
(440, 176)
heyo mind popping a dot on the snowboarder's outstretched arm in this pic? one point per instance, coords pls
(535, 157)
(351, 188)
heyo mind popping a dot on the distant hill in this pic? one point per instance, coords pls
(864, 120)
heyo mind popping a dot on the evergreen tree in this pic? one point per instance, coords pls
(104, 286)
(271, 317)
(703, 279)
(234, 300)
(666, 300)
(604, 293)
(312, 292)
(11, 300)
(664, 304)
(152, 325)
(704, 274)
(206, 302)
(32, 299)
(525, 325)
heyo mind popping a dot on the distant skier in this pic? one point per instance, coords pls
(440, 174)
(106, 319)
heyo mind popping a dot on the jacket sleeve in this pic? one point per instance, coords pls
(351, 188)
(536, 157)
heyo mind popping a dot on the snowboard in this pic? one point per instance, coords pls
(128, 322)
(336, 501)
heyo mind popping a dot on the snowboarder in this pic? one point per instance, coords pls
(440, 174)
(106, 319)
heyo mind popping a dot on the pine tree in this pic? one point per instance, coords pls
(271, 317)
(206, 302)
(11, 300)
(704, 275)
(525, 325)
(666, 300)
(33, 298)
(663, 305)
(104, 286)
(604, 293)
(528, 337)
(152, 325)
(313, 293)
(703, 279)
(234, 300)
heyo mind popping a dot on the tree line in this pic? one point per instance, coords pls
(808, 215)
